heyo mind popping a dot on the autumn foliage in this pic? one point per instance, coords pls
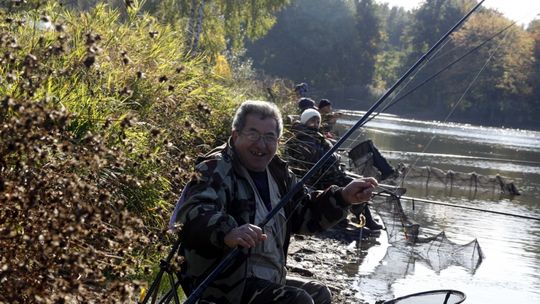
(101, 117)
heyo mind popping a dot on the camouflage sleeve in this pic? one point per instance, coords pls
(331, 174)
(301, 154)
(318, 210)
(205, 221)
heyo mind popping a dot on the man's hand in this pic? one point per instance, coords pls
(247, 235)
(359, 190)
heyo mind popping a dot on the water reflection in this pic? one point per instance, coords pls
(510, 271)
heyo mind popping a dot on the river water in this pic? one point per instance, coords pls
(510, 270)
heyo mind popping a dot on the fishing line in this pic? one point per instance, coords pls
(396, 100)
(452, 110)
(415, 199)
(474, 158)
(409, 80)
(225, 262)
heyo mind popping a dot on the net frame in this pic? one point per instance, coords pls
(449, 296)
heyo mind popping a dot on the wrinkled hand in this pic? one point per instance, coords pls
(247, 235)
(359, 190)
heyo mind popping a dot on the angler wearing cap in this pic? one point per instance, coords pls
(305, 103)
(328, 117)
(306, 147)
(328, 120)
(239, 183)
(301, 89)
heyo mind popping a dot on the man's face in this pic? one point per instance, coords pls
(314, 122)
(257, 143)
(326, 110)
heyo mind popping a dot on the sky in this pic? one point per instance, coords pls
(522, 11)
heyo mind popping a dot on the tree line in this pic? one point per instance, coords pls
(352, 51)
(104, 107)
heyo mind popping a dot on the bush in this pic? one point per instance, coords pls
(100, 122)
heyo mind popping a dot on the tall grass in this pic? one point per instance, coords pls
(101, 120)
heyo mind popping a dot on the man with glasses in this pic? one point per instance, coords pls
(239, 183)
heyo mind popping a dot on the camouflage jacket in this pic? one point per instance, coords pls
(305, 148)
(328, 121)
(220, 200)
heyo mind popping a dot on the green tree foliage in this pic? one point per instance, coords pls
(504, 80)
(368, 40)
(433, 19)
(534, 98)
(394, 21)
(319, 42)
(225, 24)
(429, 23)
(389, 59)
(501, 87)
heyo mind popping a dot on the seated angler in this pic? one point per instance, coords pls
(237, 186)
(306, 147)
(305, 103)
(328, 117)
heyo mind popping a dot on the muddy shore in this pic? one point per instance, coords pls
(332, 258)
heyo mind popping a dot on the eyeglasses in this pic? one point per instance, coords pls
(254, 136)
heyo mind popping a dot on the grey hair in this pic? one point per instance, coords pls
(263, 109)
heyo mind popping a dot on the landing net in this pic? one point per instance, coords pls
(431, 297)
(433, 248)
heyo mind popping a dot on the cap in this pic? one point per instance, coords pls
(306, 103)
(308, 114)
(301, 87)
(324, 102)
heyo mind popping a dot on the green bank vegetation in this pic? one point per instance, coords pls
(104, 108)
(102, 113)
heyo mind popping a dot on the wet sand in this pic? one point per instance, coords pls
(333, 258)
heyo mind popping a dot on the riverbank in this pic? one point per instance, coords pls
(332, 258)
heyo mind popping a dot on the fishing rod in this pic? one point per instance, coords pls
(235, 252)
(393, 102)
(415, 199)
